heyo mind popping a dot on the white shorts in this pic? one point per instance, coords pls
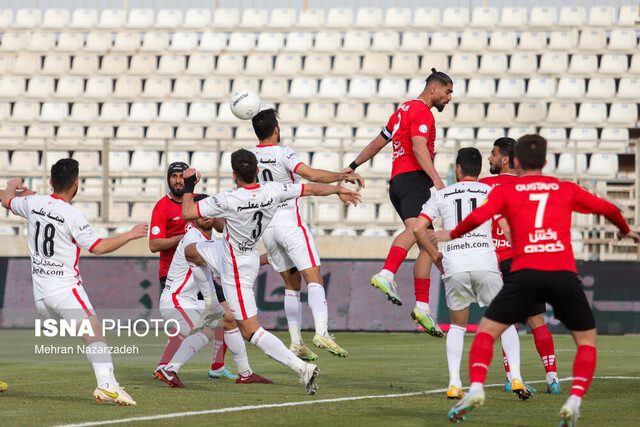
(289, 247)
(71, 304)
(185, 311)
(239, 275)
(211, 252)
(463, 288)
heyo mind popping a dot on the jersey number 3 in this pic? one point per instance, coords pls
(257, 217)
(47, 242)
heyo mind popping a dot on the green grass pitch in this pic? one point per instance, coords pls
(379, 365)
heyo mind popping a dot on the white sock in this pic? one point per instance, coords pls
(275, 349)
(575, 399)
(475, 387)
(386, 274)
(238, 350)
(423, 306)
(102, 364)
(189, 347)
(318, 304)
(293, 310)
(455, 345)
(511, 347)
(551, 376)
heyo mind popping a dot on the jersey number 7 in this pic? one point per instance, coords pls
(541, 198)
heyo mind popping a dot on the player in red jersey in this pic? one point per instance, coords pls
(502, 167)
(167, 229)
(538, 210)
(413, 132)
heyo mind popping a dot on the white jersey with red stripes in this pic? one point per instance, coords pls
(247, 211)
(57, 232)
(180, 281)
(473, 251)
(279, 163)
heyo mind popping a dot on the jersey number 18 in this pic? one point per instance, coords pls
(47, 243)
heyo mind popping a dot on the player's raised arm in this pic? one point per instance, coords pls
(347, 196)
(368, 152)
(15, 188)
(320, 175)
(424, 159)
(110, 244)
(189, 207)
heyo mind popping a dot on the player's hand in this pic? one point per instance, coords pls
(349, 196)
(139, 231)
(264, 260)
(347, 170)
(437, 261)
(440, 236)
(439, 185)
(15, 182)
(23, 191)
(354, 178)
(631, 234)
(191, 172)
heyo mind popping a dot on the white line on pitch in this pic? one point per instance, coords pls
(283, 405)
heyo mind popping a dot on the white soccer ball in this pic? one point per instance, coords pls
(245, 104)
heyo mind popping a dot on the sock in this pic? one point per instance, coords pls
(480, 357)
(506, 365)
(173, 344)
(584, 365)
(544, 345)
(511, 348)
(219, 349)
(102, 365)
(394, 259)
(318, 305)
(422, 289)
(234, 340)
(189, 347)
(455, 344)
(275, 349)
(293, 311)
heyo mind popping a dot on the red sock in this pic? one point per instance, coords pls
(544, 344)
(480, 357)
(506, 362)
(422, 289)
(584, 365)
(170, 349)
(219, 350)
(395, 258)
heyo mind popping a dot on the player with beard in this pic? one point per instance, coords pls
(413, 133)
(501, 165)
(167, 229)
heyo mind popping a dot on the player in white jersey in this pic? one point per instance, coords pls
(179, 302)
(57, 232)
(247, 212)
(469, 264)
(288, 240)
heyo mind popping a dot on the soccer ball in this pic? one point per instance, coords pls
(245, 104)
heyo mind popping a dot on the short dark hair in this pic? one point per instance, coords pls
(505, 146)
(63, 174)
(245, 165)
(265, 123)
(531, 151)
(439, 77)
(470, 161)
(199, 197)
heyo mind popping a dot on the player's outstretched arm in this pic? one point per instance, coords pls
(192, 255)
(110, 244)
(320, 175)
(189, 208)
(164, 243)
(368, 152)
(424, 159)
(347, 196)
(15, 188)
(631, 234)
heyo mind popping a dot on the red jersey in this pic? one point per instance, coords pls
(166, 221)
(538, 209)
(413, 118)
(500, 242)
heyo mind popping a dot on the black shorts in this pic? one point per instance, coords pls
(408, 192)
(525, 288)
(219, 292)
(505, 267)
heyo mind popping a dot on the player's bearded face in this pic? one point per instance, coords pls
(495, 163)
(204, 223)
(443, 98)
(176, 184)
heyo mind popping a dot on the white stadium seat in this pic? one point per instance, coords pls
(426, 18)
(570, 164)
(70, 42)
(622, 40)
(479, 88)
(40, 88)
(41, 42)
(455, 17)
(26, 64)
(628, 15)
(592, 40)
(140, 19)
(614, 139)
(493, 64)
(513, 17)
(114, 65)
(444, 41)
(414, 41)
(570, 88)
(510, 88)
(543, 17)
(601, 89)
(553, 63)
(561, 113)
(473, 41)
(241, 42)
(339, 18)
(629, 88)
(172, 112)
(171, 64)
(534, 41)
(556, 136)
(484, 17)
(603, 165)
(397, 18)
(145, 161)
(385, 41)
(183, 41)
(287, 64)
(54, 111)
(84, 112)
(613, 64)
(270, 42)
(84, 65)
(346, 64)
(503, 41)
(226, 18)
(592, 113)
(332, 88)
(156, 88)
(563, 40)
(368, 17)
(585, 65)
(229, 64)
(126, 42)
(84, 19)
(212, 42)
(583, 138)
(143, 112)
(463, 64)
(503, 113)
(27, 18)
(623, 113)
(13, 87)
(113, 112)
(375, 64)
(404, 64)
(572, 16)
(112, 19)
(523, 64)
(363, 213)
(282, 18)
(196, 18)
(602, 16)
(531, 112)
(168, 19)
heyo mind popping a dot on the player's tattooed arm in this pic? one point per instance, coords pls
(193, 256)
(189, 208)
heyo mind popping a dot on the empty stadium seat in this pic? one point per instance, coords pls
(571, 164)
(145, 161)
(70, 42)
(592, 40)
(329, 212)
(560, 112)
(154, 88)
(463, 64)
(282, 18)
(183, 41)
(629, 88)
(385, 41)
(480, 88)
(129, 87)
(592, 112)
(583, 138)
(603, 165)
(601, 88)
(628, 15)
(54, 111)
(112, 19)
(40, 88)
(168, 19)
(602, 16)
(585, 65)
(114, 65)
(391, 88)
(171, 64)
(368, 17)
(510, 88)
(41, 42)
(118, 161)
(140, 19)
(84, 112)
(494, 64)
(84, 65)
(84, 19)
(623, 113)
(614, 139)
(563, 40)
(397, 18)
(504, 113)
(241, 42)
(363, 213)
(27, 18)
(531, 112)
(613, 64)
(287, 65)
(513, 17)
(444, 41)
(375, 64)
(541, 87)
(523, 64)
(270, 42)
(229, 64)
(126, 42)
(339, 18)
(12, 87)
(543, 17)
(556, 137)
(212, 42)
(89, 161)
(96, 135)
(224, 18)
(14, 42)
(570, 88)
(553, 63)
(98, 42)
(26, 64)
(572, 16)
